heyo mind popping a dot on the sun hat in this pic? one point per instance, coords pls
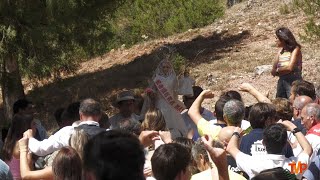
(124, 96)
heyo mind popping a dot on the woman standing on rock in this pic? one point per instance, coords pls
(288, 64)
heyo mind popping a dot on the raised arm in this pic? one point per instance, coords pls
(233, 145)
(218, 156)
(194, 111)
(246, 87)
(305, 145)
(25, 164)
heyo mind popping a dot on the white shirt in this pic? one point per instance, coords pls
(314, 141)
(252, 167)
(56, 141)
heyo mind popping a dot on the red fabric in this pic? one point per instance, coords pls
(315, 130)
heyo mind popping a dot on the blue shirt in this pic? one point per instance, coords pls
(5, 173)
(251, 144)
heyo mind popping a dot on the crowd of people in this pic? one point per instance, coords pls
(156, 136)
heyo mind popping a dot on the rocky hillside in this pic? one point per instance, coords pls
(221, 57)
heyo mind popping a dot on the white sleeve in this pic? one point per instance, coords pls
(244, 162)
(53, 143)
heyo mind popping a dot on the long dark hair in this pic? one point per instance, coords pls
(20, 123)
(285, 35)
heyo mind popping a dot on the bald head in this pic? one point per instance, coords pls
(299, 103)
(226, 133)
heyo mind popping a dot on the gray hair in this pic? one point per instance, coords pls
(318, 92)
(234, 111)
(90, 107)
(199, 149)
(313, 109)
(131, 126)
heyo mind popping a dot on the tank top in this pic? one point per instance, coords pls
(14, 165)
(284, 60)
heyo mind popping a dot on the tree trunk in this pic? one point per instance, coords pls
(11, 86)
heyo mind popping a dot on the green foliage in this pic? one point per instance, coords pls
(52, 35)
(179, 63)
(142, 19)
(312, 9)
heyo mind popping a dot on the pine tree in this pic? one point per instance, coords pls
(41, 37)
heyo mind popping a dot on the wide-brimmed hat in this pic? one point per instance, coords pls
(124, 96)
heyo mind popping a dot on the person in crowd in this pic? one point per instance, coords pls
(310, 119)
(205, 113)
(298, 104)
(218, 111)
(277, 173)
(125, 104)
(261, 116)
(237, 96)
(131, 126)
(5, 173)
(201, 157)
(116, 155)
(68, 115)
(23, 106)
(302, 87)
(154, 120)
(233, 113)
(90, 114)
(171, 162)
(163, 94)
(274, 140)
(232, 94)
(288, 64)
(313, 171)
(10, 151)
(77, 141)
(187, 143)
(283, 108)
(67, 165)
(223, 139)
(218, 156)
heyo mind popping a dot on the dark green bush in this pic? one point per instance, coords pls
(148, 19)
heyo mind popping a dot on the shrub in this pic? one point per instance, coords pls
(142, 19)
(312, 9)
(179, 63)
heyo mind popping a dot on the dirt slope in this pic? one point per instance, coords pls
(221, 57)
